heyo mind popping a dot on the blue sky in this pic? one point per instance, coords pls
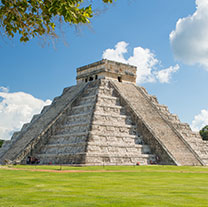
(32, 74)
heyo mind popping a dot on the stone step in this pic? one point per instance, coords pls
(113, 128)
(90, 91)
(25, 126)
(35, 117)
(45, 108)
(166, 114)
(106, 91)
(65, 90)
(96, 158)
(118, 148)
(171, 117)
(114, 98)
(64, 158)
(112, 139)
(81, 109)
(199, 146)
(108, 100)
(114, 125)
(129, 136)
(113, 159)
(56, 99)
(144, 90)
(109, 126)
(56, 154)
(97, 137)
(162, 108)
(97, 147)
(192, 135)
(76, 118)
(118, 144)
(15, 136)
(68, 138)
(110, 118)
(96, 155)
(64, 148)
(75, 124)
(86, 100)
(111, 115)
(120, 155)
(194, 144)
(203, 153)
(181, 126)
(152, 98)
(74, 128)
(110, 109)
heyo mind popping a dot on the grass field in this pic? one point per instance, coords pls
(103, 186)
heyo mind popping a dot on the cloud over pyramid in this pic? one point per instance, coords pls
(106, 120)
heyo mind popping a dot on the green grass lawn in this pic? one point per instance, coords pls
(104, 186)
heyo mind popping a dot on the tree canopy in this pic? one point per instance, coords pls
(31, 18)
(204, 133)
(1, 142)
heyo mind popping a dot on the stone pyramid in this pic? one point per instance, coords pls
(106, 120)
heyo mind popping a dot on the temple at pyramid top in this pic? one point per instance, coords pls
(107, 69)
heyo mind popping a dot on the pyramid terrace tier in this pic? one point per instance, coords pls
(97, 159)
(112, 118)
(106, 147)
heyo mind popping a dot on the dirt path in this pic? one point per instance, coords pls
(99, 171)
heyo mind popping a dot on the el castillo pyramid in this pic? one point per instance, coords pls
(106, 119)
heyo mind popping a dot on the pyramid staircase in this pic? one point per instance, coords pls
(96, 131)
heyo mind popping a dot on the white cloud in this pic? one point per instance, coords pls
(17, 109)
(165, 75)
(4, 89)
(200, 120)
(148, 66)
(117, 54)
(189, 40)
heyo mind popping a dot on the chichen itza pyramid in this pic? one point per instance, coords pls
(106, 119)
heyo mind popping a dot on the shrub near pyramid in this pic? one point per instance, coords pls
(106, 120)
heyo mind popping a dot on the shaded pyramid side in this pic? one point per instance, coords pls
(159, 133)
(40, 126)
(68, 142)
(96, 130)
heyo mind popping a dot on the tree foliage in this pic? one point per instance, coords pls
(204, 133)
(1, 142)
(32, 18)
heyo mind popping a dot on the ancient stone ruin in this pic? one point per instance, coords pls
(106, 119)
